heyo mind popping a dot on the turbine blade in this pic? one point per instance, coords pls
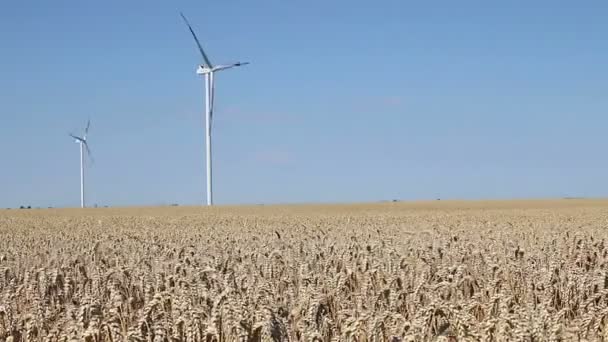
(200, 47)
(86, 130)
(75, 137)
(86, 146)
(211, 109)
(229, 66)
(212, 92)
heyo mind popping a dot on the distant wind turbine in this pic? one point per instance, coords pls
(208, 69)
(82, 141)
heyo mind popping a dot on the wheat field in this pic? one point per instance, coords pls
(452, 271)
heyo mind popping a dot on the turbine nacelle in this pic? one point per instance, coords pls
(203, 69)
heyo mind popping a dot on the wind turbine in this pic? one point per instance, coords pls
(82, 141)
(208, 69)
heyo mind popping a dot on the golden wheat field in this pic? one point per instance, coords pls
(453, 271)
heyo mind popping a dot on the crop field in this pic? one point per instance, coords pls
(451, 271)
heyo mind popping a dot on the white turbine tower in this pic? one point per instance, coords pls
(208, 70)
(82, 141)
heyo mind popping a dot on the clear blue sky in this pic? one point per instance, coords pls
(343, 101)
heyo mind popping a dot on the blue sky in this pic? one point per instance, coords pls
(343, 101)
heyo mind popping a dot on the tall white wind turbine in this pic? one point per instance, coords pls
(82, 141)
(208, 69)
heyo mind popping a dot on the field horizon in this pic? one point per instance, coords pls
(456, 204)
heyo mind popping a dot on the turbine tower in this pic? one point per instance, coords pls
(209, 70)
(82, 141)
